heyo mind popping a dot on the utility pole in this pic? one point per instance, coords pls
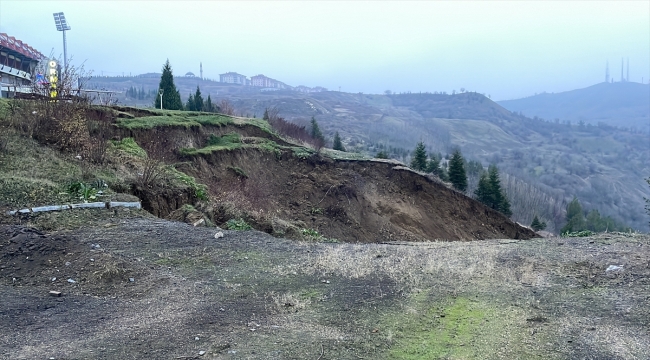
(607, 72)
(627, 78)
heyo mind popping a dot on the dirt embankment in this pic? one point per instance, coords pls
(357, 201)
(282, 190)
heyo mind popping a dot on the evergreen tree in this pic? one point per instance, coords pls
(457, 174)
(501, 202)
(538, 225)
(381, 155)
(419, 159)
(575, 220)
(266, 116)
(208, 105)
(484, 191)
(433, 166)
(338, 145)
(171, 98)
(198, 100)
(189, 106)
(490, 193)
(315, 130)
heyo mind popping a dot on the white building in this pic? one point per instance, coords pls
(233, 78)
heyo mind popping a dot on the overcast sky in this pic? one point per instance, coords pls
(507, 49)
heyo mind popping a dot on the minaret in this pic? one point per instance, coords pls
(607, 72)
(627, 78)
(201, 67)
(622, 78)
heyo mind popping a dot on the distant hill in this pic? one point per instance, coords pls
(625, 104)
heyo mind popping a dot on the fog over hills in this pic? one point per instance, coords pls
(624, 104)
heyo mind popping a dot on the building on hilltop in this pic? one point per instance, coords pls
(233, 78)
(266, 82)
(190, 74)
(18, 63)
(306, 89)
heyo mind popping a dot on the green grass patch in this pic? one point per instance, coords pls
(129, 146)
(176, 118)
(224, 140)
(456, 328)
(200, 190)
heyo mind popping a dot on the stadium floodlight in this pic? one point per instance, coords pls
(62, 25)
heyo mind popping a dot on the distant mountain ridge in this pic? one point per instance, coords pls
(625, 104)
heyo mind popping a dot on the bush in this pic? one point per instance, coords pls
(238, 224)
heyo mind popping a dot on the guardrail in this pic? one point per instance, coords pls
(92, 205)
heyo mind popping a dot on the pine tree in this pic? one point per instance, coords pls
(266, 115)
(433, 166)
(198, 100)
(501, 202)
(457, 174)
(208, 105)
(171, 98)
(381, 155)
(538, 225)
(484, 191)
(189, 106)
(574, 217)
(419, 159)
(490, 193)
(315, 130)
(338, 145)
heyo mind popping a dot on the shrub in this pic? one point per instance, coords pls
(237, 224)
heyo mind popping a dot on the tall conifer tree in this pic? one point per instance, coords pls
(171, 98)
(457, 174)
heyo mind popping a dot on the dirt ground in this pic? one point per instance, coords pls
(147, 288)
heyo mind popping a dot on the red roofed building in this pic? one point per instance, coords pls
(18, 62)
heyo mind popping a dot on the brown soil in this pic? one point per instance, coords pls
(248, 295)
(352, 201)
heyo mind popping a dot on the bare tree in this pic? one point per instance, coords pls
(226, 107)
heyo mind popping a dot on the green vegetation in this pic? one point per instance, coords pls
(83, 191)
(577, 222)
(381, 155)
(419, 158)
(315, 130)
(238, 224)
(175, 118)
(538, 225)
(129, 146)
(238, 171)
(457, 174)
(454, 328)
(582, 233)
(171, 98)
(491, 193)
(338, 145)
(200, 190)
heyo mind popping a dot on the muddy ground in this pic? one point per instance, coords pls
(146, 288)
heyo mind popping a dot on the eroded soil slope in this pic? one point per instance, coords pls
(153, 289)
(349, 200)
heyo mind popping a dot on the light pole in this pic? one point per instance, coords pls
(62, 25)
(160, 91)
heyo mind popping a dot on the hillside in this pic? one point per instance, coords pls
(552, 162)
(623, 104)
(233, 168)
